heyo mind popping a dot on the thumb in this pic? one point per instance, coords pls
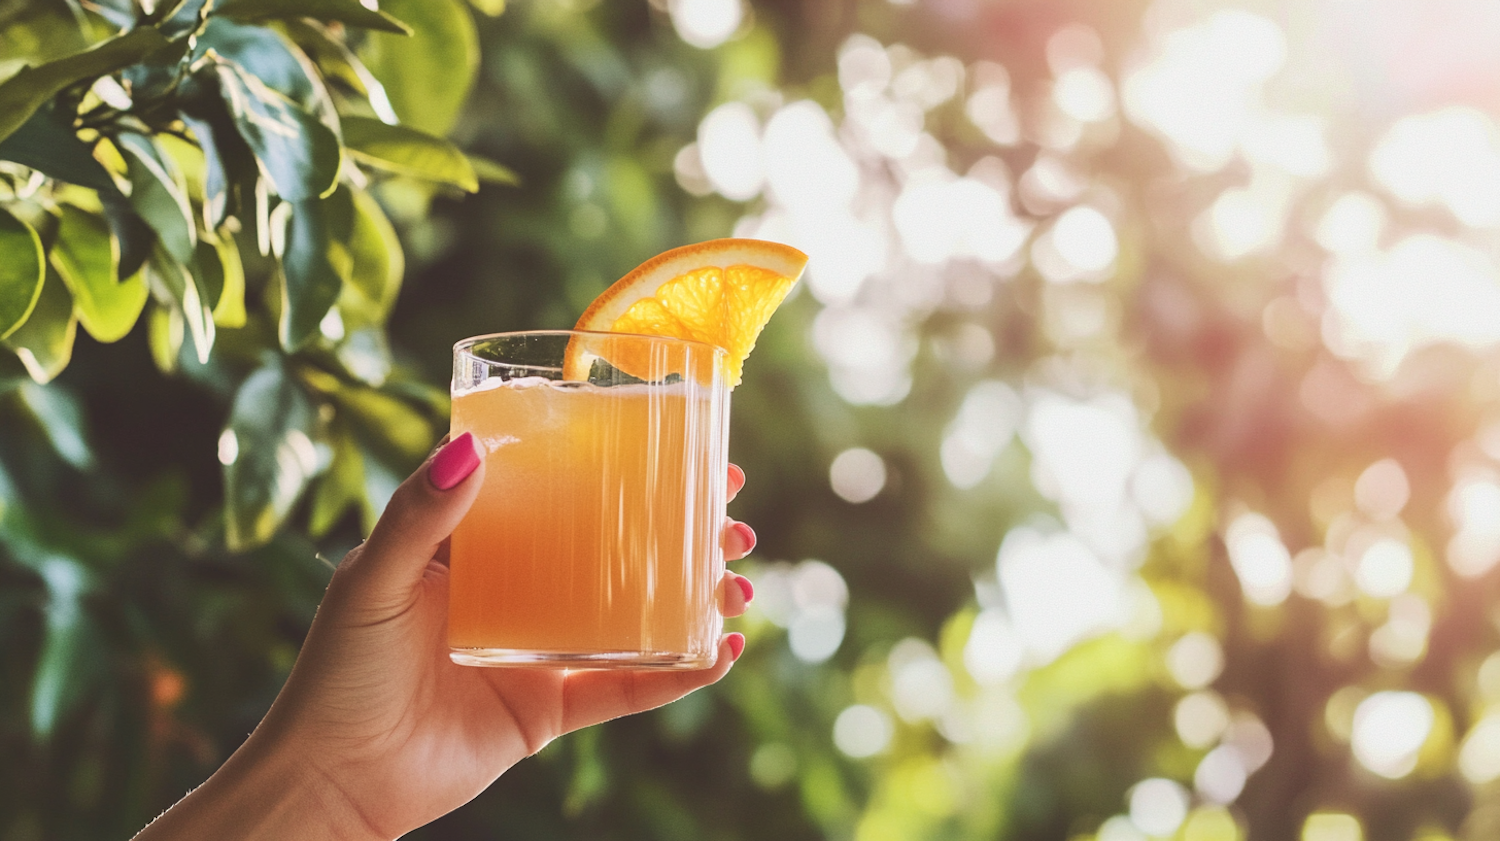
(424, 510)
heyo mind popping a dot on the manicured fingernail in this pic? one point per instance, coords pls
(747, 536)
(736, 475)
(454, 462)
(746, 587)
(736, 645)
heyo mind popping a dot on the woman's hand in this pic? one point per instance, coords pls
(377, 732)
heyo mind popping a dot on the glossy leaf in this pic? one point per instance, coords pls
(84, 259)
(427, 76)
(22, 94)
(133, 235)
(299, 155)
(61, 418)
(315, 262)
(229, 169)
(341, 486)
(44, 343)
(274, 60)
(336, 61)
(349, 12)
(269, 437)
(174, 286)
(22, 269)
(377, 263)
(69, 661)
(493, 8)
(158, 194)
(407, 151)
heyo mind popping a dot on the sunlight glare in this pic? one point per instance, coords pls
(984, 425)
(705, 23)
(857, 475)
(1260, 559)
(1390, 728)
(1220, 776)
(1200, 718)
(1449, 157)
(862, 731)
(729, 147)
(1057, 591)
(1158, 806)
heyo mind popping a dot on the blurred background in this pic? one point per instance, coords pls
(1127, 465)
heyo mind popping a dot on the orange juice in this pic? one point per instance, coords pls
(595, 539)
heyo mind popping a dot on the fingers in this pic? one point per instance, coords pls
(736, 481)
(599, 695)
(739, 539)
(737, 591)
(421, 514)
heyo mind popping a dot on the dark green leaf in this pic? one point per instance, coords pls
(334, 58)
(274, 60)
(174, 286)
(407, 151)
(164, 333)
(378, 263)
(229, 170)
(299, 155)
(392, 427)
(269, 455)
(426, 76)
(315, 262)
(48, 144)
(70, 660)
(45, 342)
(350, 12)
(58, 413)
(130, 231)
(21, 271)
(159, 194)
(489, 171)
(22, 94)
(84, 257)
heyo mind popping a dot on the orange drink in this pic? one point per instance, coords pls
(595, 540)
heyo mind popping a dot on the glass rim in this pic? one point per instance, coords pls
(464, 346)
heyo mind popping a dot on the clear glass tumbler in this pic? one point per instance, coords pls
(595, 540)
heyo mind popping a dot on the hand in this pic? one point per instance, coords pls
(377, 732)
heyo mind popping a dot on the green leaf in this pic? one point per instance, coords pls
(377, 264)
(493, 8)
(21, 271)
(61, 418)
(22, 94)
(133, 236)
(269, 453)
(299, 155)
(426, 76)
(230, 309)
(174, 286)
(83, 256)
(164, 333)
(335, 60)
(45, 342)
(48, 144)
(315, 262)
(342, 485)
(274, 60)
(407, 151)
(489, 171)
(229, 169)
(399, 433)
(158, 193)
(349, 12)
(70, 661)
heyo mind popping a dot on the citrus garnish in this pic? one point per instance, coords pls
(721, 292)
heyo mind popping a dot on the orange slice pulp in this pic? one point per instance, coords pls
(721, 292)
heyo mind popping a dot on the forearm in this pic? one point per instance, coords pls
(262, 794)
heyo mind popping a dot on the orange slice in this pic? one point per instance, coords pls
(721, 292)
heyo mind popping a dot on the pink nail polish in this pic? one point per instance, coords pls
(736, 645)
(747, 535)
(453, 463)
(746, 587)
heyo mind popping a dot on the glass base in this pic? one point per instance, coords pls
(514, 658)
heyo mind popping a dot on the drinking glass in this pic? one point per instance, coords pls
(595, 539)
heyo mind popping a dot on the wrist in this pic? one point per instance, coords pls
(264, 792)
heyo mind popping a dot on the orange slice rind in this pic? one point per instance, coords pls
(721, 292)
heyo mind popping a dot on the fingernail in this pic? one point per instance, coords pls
(736, 645)
(747, 535)
(736, 475)
(746, 587)
(454, 462)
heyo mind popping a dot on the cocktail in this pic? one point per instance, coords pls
(596, 539)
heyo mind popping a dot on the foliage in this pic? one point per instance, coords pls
(252, 211)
